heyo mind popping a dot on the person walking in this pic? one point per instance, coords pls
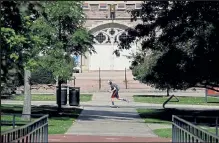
(114, 89)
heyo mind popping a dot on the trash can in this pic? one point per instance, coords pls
(74, 96)
(63, 95)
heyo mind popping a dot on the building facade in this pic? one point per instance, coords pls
(107, 21)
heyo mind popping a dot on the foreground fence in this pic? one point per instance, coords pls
(32, 131)
(184, 131)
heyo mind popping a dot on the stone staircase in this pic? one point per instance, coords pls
(90, 81)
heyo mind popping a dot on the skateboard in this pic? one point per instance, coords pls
(114, 106)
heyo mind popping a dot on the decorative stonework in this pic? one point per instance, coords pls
(109, 36)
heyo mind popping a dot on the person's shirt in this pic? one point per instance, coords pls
(113, 85)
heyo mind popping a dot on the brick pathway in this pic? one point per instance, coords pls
(89, 138)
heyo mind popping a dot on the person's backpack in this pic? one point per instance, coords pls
(117, 87)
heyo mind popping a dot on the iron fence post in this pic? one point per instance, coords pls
(125, 80)
(74, 80)
(99, 80)
(217, 126)
(13, 121)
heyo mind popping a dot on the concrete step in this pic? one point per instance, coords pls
(105, 81)
(103, 74)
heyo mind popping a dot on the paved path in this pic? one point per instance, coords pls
(107, 121)
(102, 100)
(89, 138)
(100, 123)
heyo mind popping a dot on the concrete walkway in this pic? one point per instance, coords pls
(117, 139)
(102, 99)
(107, 121)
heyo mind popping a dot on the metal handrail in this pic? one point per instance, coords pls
(36, 130)
(169, 100)
(182, 129)
(22, 127)
(194, 126)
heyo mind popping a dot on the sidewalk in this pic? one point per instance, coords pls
(98, 122)
(88, 138)
(99, 103)
(107, 121)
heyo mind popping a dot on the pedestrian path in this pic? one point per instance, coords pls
(118, 139)
(107, 121)
(106, 102)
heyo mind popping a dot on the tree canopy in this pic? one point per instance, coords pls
(44, 34)
(184, 37)
(29, 29)
(16, 40)
(61, 24)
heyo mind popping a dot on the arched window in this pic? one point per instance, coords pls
(109, 35)
(100, 37)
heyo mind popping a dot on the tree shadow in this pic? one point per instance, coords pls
(36, 111)
(194, 116)
(213, 102)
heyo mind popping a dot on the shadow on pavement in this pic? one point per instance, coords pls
(93, 114)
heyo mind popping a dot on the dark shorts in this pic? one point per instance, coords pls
(115, 94)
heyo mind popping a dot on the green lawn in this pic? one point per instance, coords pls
(154, 116)
(164, 116)
(163, 133)
(167, 133)
(51, 97)
(182, 100)
(58, 124)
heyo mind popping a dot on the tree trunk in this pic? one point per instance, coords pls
(59, 96)
(27, 96)
(168, 90)
(57, 81)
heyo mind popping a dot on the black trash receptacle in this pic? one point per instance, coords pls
(63, 95)
(74, 96)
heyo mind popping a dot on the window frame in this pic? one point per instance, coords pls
(121, 8)
(138, 7)
(88, 8)
(107, 7)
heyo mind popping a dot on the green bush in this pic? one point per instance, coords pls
(42, 76)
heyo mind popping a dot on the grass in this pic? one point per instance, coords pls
(182, 100)
(50, 97)
(163, 133)
(58, 124)
(167, 133)
(86, 97)
(164, 116)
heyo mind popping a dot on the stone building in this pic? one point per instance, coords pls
(107, 33)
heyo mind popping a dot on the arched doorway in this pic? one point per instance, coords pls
(106, 41)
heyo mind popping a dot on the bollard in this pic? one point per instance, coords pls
(99, 80)
(125, 80)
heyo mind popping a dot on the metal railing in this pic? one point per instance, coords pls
(184, 131)
(35, 131)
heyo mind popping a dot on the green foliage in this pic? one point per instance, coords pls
(42, 76)
(185, 34)
(59, 64)
(53, 29)
(61, 25)
(16, 40)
